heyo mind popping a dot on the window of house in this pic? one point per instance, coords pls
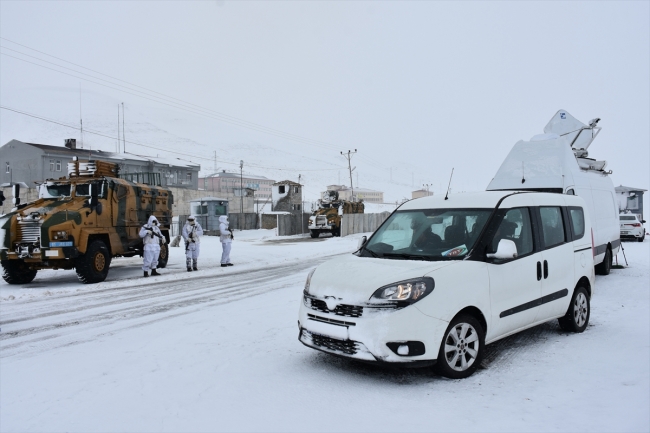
(58, 165)
(281, 189)
(296, 189)
(8, 169)
(189, 175)
(51, 165)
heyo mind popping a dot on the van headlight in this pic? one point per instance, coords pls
(408, 291)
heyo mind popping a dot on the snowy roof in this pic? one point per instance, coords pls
(225, 174)
(622, 188)
(287, 182)
(112, 156)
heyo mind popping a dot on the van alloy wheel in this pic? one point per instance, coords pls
(461, 349)
(580, 309)
(576, 318)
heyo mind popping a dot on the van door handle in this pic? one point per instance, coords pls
(539, 271)
(545, 269)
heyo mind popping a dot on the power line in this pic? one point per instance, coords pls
(187, 106)
(90, 131)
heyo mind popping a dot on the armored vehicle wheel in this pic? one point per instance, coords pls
(164, 256)
(314, 233)
(92, 267)
(17, 272)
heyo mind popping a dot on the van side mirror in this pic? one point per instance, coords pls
(642, 221)
(506, 250)
(362, 242)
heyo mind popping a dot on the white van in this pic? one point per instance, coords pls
(441, 278)
(557, 161)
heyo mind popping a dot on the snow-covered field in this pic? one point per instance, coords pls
(217, 350)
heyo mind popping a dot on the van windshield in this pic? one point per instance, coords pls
(428, 234)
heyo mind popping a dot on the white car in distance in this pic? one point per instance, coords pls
(632, 227)
(442, 278)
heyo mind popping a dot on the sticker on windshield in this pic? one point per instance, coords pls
(454, 252)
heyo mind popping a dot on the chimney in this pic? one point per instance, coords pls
(71, 143)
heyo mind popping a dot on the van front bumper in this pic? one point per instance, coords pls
(397, 336)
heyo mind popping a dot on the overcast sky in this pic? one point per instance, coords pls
(433, 85)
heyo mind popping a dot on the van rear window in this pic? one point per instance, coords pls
(577, 216)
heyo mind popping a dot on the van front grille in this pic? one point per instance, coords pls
(340, 310)
(348, 347)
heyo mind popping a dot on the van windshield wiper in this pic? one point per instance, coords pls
(408, 256)
(374, 254)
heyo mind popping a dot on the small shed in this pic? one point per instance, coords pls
(207, 211)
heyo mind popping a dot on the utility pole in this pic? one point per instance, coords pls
(241, 185)
(123, 136)
(348, 155)
(118, 128)
(81, 122)
(302, 204)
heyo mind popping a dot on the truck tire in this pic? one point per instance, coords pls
(314, 233)
(164, 256)
(606, 266)
(92, 267)
(17, 272)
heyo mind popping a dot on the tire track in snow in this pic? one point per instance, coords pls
(33, 326)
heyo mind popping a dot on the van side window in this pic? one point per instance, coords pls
(577, 216)
(552, 226)
(570, 191)
(516, 227)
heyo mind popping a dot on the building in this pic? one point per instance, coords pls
(229, 184)
(630, 199)
(32, 162)
(364, 194)
(420, 193)
(286, 196)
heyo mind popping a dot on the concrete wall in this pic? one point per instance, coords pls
(362, 223)
(26, 195)
(289, 225)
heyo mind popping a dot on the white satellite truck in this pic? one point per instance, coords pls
(558, 161)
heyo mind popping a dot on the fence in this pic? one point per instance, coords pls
(362, 222)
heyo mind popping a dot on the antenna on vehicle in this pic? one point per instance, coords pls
(452, 175)
(523, 177)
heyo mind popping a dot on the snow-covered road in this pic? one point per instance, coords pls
(217, 350)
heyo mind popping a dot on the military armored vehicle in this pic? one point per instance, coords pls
(327, 217)
(82, 222)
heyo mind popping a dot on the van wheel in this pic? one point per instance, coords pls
(605, 267)
(577, 316)
(164, 256)
(17, 272)
(314, 233)
(461, 349)
(92, 267)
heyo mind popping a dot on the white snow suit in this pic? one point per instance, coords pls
(152, 238)
(191, 233)
(226, 239)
